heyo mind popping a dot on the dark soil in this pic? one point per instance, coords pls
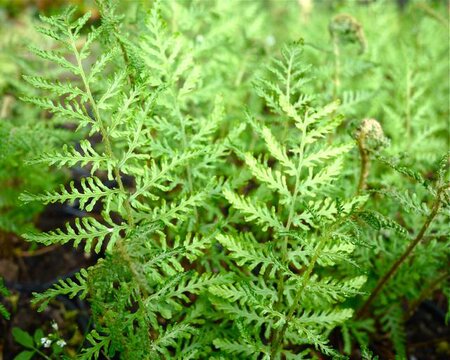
(26, 272)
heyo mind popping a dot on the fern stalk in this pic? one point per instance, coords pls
(365, 164)
(396, 265)
(291, 214)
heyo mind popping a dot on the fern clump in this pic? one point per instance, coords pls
(248, 195)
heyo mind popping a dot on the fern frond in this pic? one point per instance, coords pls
(313, 159)
(68, 287)
(169, 338)
(322, 179)
(57, 58)
(92, 190)
(333, 290)
(248, 315)
(89, 230)
(178, 211)
(302, 335)
(155, 174)
(323, 318)
(239, 347)
(57, 87)
(276, 149)
(245, 292)
(274, 179)
(71, 156)
(254, 211)
(99, 343)
(4, 292)
(70, 110)
(245, 250)
(392, 324)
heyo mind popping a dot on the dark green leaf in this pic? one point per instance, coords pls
(22, 337)
(24, 355)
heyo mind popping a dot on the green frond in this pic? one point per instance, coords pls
(407, 171)
(161, 51)
(4, 312)
(351, 99)
(333, 290)
(57, 58)
(320, 131)
(67, 287)
(411, 203)
(57, 87)
(113, 87)
(290, 82)
(300, 334)
(92, 190)
(274, 179)
(326, 318)
(87, 230)
(246, 251)
(177, 210)
(379, 221)
(241, 348)
(313, 159)
(322, 179)
(100, 64)
(248, 315)
(4, 292)
(254, 211)
(71, 157)
(93, 35)
(70, 110)
(195, 284)
(155, 175)
(194, 245)
(392, 324)
(245, 292)
(98, 343)
(277, 150)
(169, 337)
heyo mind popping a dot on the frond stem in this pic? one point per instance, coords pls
(291, 212)
(396, 265)
(365, 164)
(306, 277)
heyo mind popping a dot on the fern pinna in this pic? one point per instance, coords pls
(147, 293)
(299, 228)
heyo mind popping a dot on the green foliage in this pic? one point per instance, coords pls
(37, 343)
(307, 229)
(4, 292)
(220, 193)
(23, 129)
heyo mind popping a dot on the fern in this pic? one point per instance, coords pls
(4, 292)
(218, 194)
(125, 150)
(304, 172)
(67, 287)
